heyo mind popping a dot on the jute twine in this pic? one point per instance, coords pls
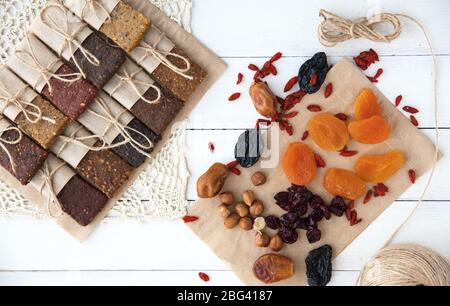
(403, 264)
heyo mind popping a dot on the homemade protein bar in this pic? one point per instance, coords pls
(34, 115)
(19, 154)
(81, 201)
(61, 85)
(168, 64)
(127, 151)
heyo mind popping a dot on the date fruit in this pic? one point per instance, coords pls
(271, 268)
(263, 99)
(211, 182)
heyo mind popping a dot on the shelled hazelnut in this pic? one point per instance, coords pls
(226, 198)
(224, 211)
(242, 210)
(276, 244)
(262, 240)
(231, 221)
(258, 179)
(246, 223)
(257, 208)
(248, 197)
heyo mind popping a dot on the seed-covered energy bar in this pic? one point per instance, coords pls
(34, 115)
(19, 154)
(60, 84)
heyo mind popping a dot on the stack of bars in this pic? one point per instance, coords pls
(85, 98)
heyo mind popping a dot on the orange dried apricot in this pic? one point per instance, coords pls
(328, 132)
(366, 105)
(379, 168)
(344, 183)
(370, 131)
(299, 164)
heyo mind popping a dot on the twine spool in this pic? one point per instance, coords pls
(406, 265)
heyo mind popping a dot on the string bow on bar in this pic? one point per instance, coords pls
(29, 59)
(69, 36)
(4, 142)
(130, 78)
(47, 182)
(161, 56)
(32, 112)
(94, 6)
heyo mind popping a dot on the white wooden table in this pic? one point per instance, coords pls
(167, 253)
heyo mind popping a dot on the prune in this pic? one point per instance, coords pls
(273, 222)
(317, 215)
(299, 208)
(289, 219)
(248, 148)
(300, 194)
(282, 200)
(313, 235)
(338, 206)
(318, 266)
(288, 235)
(302, 223)
(315, 68)
(316, 202)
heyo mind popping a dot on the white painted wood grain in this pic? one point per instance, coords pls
(165, 252)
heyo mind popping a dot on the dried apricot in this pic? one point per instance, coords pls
(370, 131)
(379, 168)
(328, 132)
(299, 164)
(344, 183)
(366, 105)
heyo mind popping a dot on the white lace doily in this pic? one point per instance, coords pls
(160, 189)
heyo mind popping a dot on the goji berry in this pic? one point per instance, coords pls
(203, 276)
(410, 109)
(253, 67)
(240, 77)
(412, 176)
(314, 108)
(235, 171)
(273, 70)
(276, 57)
(211, 147)
(368, 196)
(398, 100)
(188, 219)
(290, 84)
(347, 153)
(341, 116)
(328, 90)
(305, 135)
(414, 120)
(290, 115)
(319, 161)
(232, 164)
(234, 96)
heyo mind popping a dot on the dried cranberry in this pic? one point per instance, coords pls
(326, 212)
(288, 235)
(315, 68)
(301, 208)
(302, 223)
(289, 219)
(313, 235)
(338, 206)
(299, 195)
(316, 202)
(273, 222)
(317, 215)
(312, 223)
(282, 200)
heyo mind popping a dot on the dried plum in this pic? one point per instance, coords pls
(313, 72)
(317, 215)
(248, 148)
(338, 206)
(288, 235)
(318, 266)
(273, 222)
(313, 235)
(289, 219)
(282, 200)
(302, 223)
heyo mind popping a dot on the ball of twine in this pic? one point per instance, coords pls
(406, 265)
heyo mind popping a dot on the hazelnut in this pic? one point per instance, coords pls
(248, 197)
(226, 198)
(242, 210)
(259, 224)
(276, 244)
(231, 221)
(257, 208)
(258, 179)
(262, 240)
(224, 211)
(212, 181)
(246, 223)
(263, 99)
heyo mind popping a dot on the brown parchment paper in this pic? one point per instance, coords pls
(213, 65)
(237, 248)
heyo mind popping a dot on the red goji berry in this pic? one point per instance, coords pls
(348, 213)
(305, 135)
(240, 77)
(313, 79)
(273, 70)
(412, 176)
(253, 67)
(203, 276)
(398, 100)
(188, 219)
(298, 94)
(235, 171)
(211, 147)
(319, 161)
(290, 84)
(382, 187)
(232, 164)
(328, 90)
(276, 57)
(347, 153)
(234, 96)
(314, 108)
(341, 116)
(410, 109)
(290, 115)
(368, 196)
(414, 120)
